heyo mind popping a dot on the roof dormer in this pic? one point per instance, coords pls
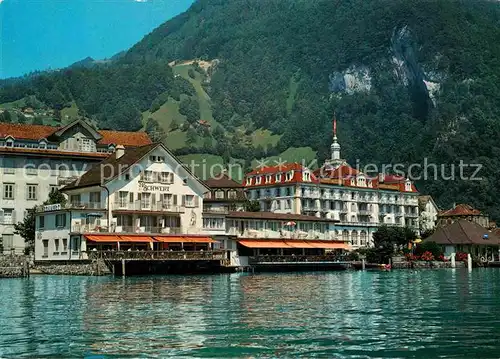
(9, 141)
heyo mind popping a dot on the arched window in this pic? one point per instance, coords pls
(363, 239)
(354, 238)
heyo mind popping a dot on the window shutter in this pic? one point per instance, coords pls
(1, 215)
(14, 217)
(139, 196)
(175, 200)
(131, 197)
(171, 178)
(153, 199)
(196, 201)
(183, 200)
(142, 176)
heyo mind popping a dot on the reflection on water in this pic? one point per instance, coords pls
(330, 315)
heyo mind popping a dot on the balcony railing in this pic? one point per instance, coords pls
(148, 206)
(87, 228)
(411, 215)
(157, 255)
(294, 259)
(364, 212)
(267, 233)
(216, 210)
(72, 205)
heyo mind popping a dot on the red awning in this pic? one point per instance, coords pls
(259, 243)
(141, 239)
(101, 239)
(184, 239)
(277, 243)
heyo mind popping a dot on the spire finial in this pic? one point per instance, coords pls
(334, 125)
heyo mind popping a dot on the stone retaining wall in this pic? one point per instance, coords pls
(12, 266)
(73, 268)
(426, 265)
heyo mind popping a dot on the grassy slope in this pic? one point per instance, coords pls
(301, 154)
(69, 114)
(264, 137)
(206, 166)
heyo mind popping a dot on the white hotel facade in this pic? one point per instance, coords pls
(36, 159)
(337, 191)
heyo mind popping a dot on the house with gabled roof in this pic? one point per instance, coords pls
(37, 159)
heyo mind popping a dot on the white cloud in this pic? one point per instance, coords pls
(134, 0)
(1, 1)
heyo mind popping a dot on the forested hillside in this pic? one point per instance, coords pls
(407, 79)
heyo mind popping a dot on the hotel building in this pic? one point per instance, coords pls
(359, 202)
(36, 159)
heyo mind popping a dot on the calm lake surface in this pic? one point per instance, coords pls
(399, 314)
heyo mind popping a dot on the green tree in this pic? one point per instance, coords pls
(5, 116)
(252, 206)
(191, 73)
(191, 136)
(429, 246)
(154, 130)
(189, 107)
(174, 125)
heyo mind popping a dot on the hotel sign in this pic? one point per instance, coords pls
(52, 207)
(146, 187)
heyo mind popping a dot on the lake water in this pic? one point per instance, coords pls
(398, 314)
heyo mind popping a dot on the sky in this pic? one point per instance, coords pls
(50, 34)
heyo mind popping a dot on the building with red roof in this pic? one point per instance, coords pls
(37, 159)
(465, 212)
(336, 190)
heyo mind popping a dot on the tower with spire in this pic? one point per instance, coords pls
(335, 159)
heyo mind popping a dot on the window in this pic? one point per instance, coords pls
(75, 199)
(123, 199)
(161, 159)
(8, 241)
(289, 176)
(207, 195)
(8, 191)
(9, 165)
(95, 197)
(86, 145)
(249, 181)
(31, 192)
(8, 216)
(278, 177)
(189, 201)
(166, 177)
(41, 222)
(219, 194)
(231, 194)
(9, 142)
(258, 180)
(213, 223)
(145, 199)
(167, 200)
(45, 248)
(147, 176)
(64, 245)
(306, 176)
(152, 158)
(268, 178)
(53, 188)
(61, 220)
(56, 246)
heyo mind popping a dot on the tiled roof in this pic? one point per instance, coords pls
(124, 138)
(37, 132)
(342, 171)
(111, 167)
(223, 181)
(297, 169)
(463, 232)
(277, 169)
(277, 216)
(460, 210)
(26, 132)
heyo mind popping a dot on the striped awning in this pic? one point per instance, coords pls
(184, 239)
(303, 244)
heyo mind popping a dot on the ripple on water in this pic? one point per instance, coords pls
(398, 314)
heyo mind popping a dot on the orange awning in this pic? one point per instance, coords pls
(107, 239)
(141, 239)
(329, 244)
(252, 243)
(300, 244)
(184, 239)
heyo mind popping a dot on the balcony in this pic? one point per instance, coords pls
(365, 212)
(92, 228)
(156, 255)
(71, 205)
(148, 206)
(269, 234)
(411, 215)
(216, 210)
(359, 224)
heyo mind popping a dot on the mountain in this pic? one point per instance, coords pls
(410, 81)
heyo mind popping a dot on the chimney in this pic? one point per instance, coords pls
(120, 151)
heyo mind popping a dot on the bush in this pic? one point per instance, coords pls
(432, 247)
